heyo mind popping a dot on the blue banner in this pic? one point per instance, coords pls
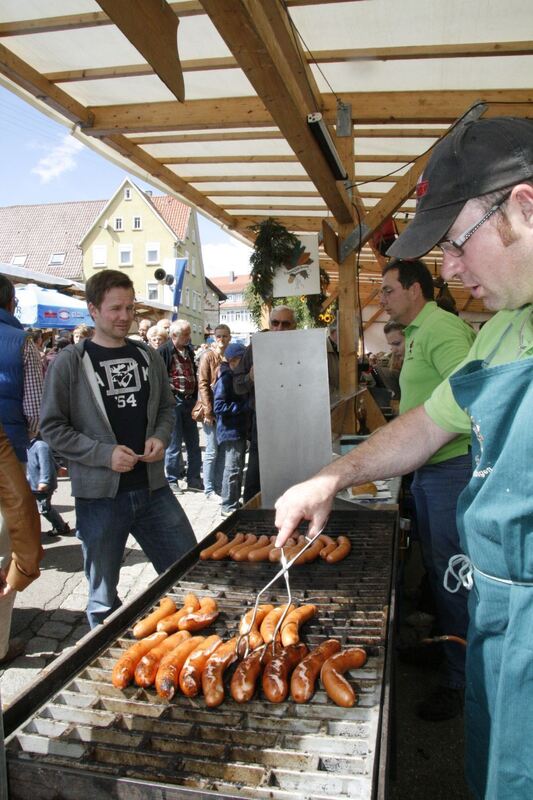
(179, 274)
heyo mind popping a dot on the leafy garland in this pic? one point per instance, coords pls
(273, 246)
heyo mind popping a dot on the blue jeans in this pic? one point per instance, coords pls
(185, 429)
(233, 454)
(155, 519)
(46, 509)
(436, 489)
(252, 482)
(213, 461)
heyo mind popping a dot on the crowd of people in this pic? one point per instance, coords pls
(118, 409)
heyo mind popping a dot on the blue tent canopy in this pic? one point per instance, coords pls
(47, 308)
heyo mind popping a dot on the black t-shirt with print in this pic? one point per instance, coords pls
(122, 375)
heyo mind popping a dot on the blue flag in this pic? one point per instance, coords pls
(179, 274)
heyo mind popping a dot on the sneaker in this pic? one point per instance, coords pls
(195, 485)
(176, 488)
(212, 497)
(16, 648)
(443, 703)
(225, 513)
(65, 531)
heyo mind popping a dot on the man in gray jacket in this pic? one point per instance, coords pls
(108, 409)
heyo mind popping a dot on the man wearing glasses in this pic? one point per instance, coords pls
(281, 319)
(475, 201)
(108, 409)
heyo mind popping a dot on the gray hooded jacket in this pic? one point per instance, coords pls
(75, 424)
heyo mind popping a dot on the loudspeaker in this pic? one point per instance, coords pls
(160, 275)
(169, 280)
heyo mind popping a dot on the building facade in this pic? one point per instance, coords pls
(233, 311)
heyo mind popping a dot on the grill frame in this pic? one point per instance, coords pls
(97, 642)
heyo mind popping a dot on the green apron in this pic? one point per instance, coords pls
(495, 522)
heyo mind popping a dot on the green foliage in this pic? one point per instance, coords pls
(273, 244)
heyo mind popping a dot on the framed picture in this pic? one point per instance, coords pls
(300, 275)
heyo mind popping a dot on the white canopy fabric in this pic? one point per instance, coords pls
(48, 308)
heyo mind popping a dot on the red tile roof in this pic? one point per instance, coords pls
(39, 231)
(229, 286)
(175, 214)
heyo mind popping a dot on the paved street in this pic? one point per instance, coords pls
(50, 612)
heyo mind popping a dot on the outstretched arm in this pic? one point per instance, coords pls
(398, 448)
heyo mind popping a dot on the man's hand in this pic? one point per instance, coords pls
(311, 500)
(5, 588)
(154, 450)
(123, 459)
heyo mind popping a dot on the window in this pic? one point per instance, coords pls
(99, 255)
(152, 252)
(188, 262)
(56, 259)
(127, 193)
(19, 261)
(125, 255)
(119, 224)
(199, 302)
(194, 328)
(187, 297)
(193, 265)
(193, 234)
(137, 223)
(194, 300)
(152, 291)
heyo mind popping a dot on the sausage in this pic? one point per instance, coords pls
(205, 616)
(146, 669)
(277, 672)
(148, 625)
(166, 680)
(312, 552)
(337, 687)
(341, 551)
(213, 674)
(191, 674)
(223, 551)
(262, 553)
(275, 553)
(268, 626)
(250, 538)
(124, 669)
(221, 539)
(254, 635)
(290, 630)
(170, 624)
(329, 547)
(291, 552)
(305, 674)
(245, 550)
(244, 679)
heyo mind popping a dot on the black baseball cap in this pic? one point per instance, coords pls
(475, 158)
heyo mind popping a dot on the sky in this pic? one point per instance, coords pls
(43, 163)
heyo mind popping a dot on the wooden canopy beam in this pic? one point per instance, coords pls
(261, 38)
(152, 28)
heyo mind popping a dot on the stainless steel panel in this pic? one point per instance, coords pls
(292, 404)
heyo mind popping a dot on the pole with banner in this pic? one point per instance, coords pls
(179, 274)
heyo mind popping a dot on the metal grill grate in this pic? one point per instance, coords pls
(92, 737)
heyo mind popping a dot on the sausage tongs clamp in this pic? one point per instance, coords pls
(284, 571)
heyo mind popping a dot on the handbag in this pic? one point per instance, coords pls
(198, 411)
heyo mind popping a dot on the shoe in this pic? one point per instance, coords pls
(65, 531)
(53, 532)
(212, 497)
(176, 488)
(195, 485)
(224, 513)
(16, 648)
(443, 703)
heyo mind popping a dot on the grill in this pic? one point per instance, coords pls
(74, 733)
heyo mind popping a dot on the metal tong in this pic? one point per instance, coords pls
(285, 567)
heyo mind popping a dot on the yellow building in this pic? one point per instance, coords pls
(143, 235)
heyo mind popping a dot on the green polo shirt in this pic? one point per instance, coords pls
(436, 342)
(507, 337)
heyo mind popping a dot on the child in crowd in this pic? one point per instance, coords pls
(42, 477)
(231, 412)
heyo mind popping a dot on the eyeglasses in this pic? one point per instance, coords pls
(454, 247)
(280, 323)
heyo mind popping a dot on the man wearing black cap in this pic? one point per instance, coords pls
(475, 201)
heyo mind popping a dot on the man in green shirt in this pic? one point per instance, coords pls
(435, 343)
(475, 202)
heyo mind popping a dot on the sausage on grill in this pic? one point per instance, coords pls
(148, 625)
(221, 539)
(191, 673)
(244, 551)
(146, 669)
(277, 672)
(337, 687)
(124, 669)
(198, 620)
(268, 626)
(213, 674)
(170, 624)
(244, 679)
(262, 553)
(341, 551)
(305, 674)
(290, 630)
(223, 551)
(170, 666)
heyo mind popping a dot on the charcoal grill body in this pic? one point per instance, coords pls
(72, 734)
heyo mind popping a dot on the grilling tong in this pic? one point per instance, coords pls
(285, 566)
